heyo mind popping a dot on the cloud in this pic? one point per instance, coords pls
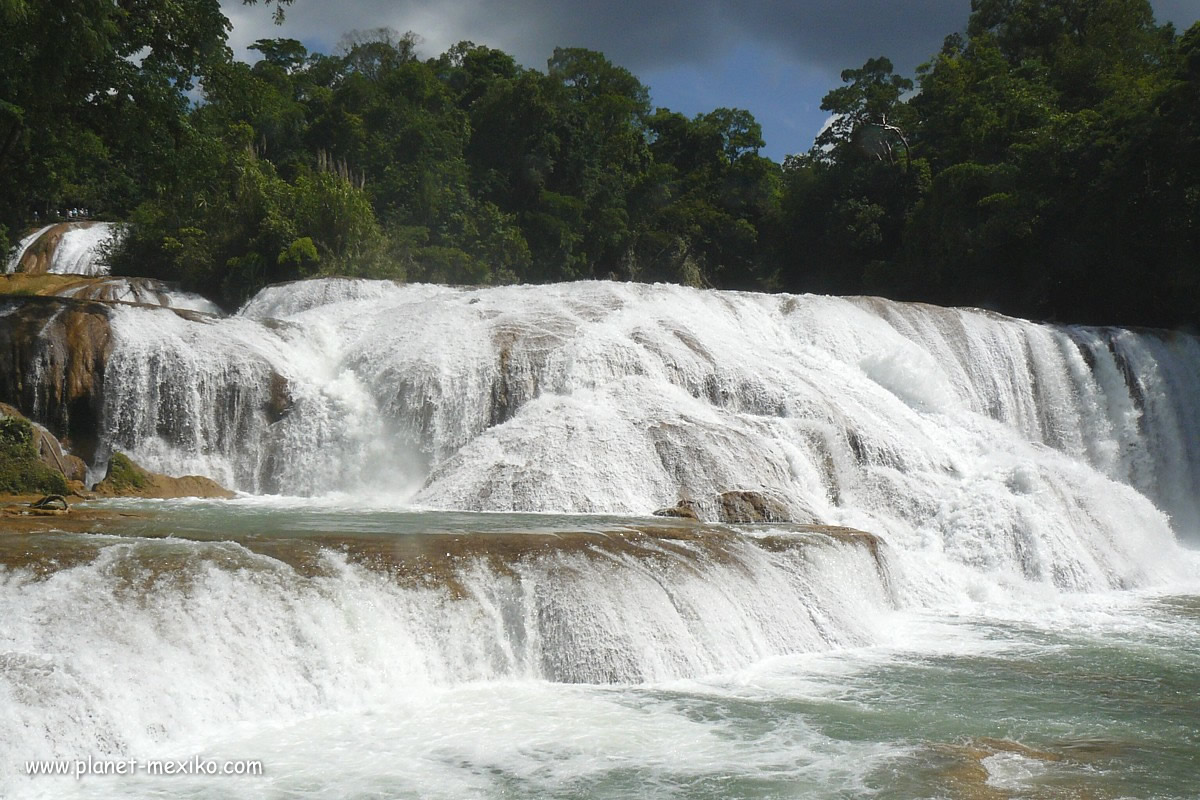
(828, 35)
(639, 34)
(648, 34)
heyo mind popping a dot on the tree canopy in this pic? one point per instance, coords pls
(1044, 163)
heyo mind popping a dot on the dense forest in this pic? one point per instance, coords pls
(1044, 163)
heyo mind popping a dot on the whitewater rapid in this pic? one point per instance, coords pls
(1032, 452)
(1015, 474)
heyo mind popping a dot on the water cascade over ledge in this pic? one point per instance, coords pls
(1009, 473)
(1048, 454)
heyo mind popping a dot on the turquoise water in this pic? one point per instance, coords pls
(276, 634)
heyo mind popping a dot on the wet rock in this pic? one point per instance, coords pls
(38, 257)
(125, 478)
(53, 353)
(684, 509)
(281, 398)
(750, 507)
(736, 508)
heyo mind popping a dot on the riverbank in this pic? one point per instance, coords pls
(18, 517)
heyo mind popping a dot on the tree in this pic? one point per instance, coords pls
(868, 113)
(74, 76)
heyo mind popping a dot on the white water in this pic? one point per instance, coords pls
(765, 667)
(1016, 472)
(79, 251)
(19, 252)
(1029, 452)
(148, 659)
(143, 291)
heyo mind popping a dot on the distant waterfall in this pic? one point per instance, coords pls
(76, 248)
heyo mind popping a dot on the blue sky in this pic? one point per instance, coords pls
(776, 58)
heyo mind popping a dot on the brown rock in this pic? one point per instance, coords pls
(21, 284)
(684, 509)
(281, 398)
(53, 353)
(125, 478)
(749, 507)
(37, 257)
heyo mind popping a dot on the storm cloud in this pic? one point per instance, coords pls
(645, 35)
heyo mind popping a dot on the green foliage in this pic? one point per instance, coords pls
(1049, 170)
(21, 471)
(1034, 164)
(868, 114)
(16, 438)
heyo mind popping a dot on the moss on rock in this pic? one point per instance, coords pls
(123, 475)
(126, 478)
(21, 470)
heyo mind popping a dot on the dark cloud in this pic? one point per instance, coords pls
(640, 35)
(650, 34)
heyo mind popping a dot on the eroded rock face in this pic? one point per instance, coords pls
(39, 255)
(65, 248)
(53, 354)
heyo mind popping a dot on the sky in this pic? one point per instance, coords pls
(776, 58)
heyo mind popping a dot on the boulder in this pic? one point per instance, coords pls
(684, 509)
(21, 469)
(124, 478)
(31, 459)
(736, 507)
(749, 506)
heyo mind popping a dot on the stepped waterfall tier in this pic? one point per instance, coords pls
(973, 573)
(1054, 454)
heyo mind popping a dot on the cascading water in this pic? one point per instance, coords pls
(80, 251)
(1023, 449)
(1013, 472)
(77, 249)
(143, 291)
(18, 252)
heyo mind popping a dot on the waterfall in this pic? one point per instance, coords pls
(144, 291)
(18, 252)
(74, 248)
(157, 640)
(1008, 471)
(1044, 453)
(79, 252)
